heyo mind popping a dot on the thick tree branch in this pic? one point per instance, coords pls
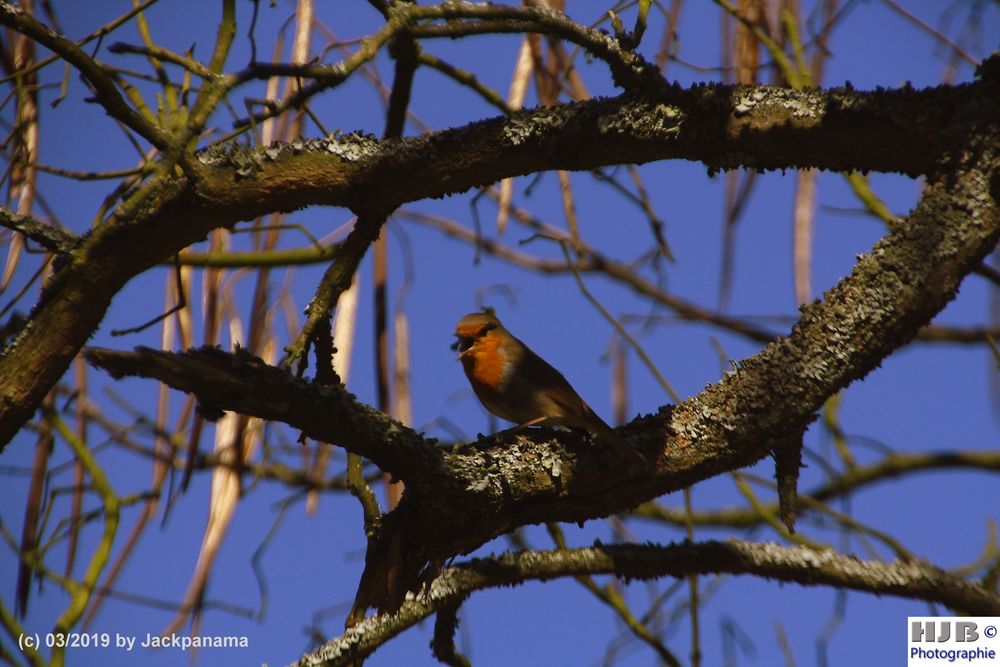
(326, 413)
(723, 127)
(912, 580)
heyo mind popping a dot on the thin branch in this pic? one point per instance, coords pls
(95, 73)
(459, 20)
(936, 34)
(88, 175)
(16, 631)
(97, 34)
(51, 238)
(464, 78)
(592, 261)
(177, 307)
(80, 595)
(360, 489)
(667, 387)
(166, 55)
(612, 597)
(334, 282)
(261, 258)
(988, 272)
(892, 467)
(443, 642)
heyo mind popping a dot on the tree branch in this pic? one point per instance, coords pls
(913, 580)
(49, 237)
(335, 281)
(721, 126)
(240, 381)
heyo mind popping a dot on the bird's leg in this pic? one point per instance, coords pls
(530, 422)
(514, 429)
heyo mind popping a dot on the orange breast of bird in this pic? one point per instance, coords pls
(489, 367)
(486, 363)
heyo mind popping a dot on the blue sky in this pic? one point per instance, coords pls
(922, 398)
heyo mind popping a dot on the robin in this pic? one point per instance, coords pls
(516, 384)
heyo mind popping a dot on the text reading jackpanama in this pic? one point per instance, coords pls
(184, 642)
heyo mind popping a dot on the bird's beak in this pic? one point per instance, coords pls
(458, 346)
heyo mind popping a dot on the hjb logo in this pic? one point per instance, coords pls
(942, 631)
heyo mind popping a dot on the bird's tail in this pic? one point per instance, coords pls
(609, 436)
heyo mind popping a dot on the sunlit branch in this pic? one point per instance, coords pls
(261, 258)
(80, 595)
(915, 580)
(166, 55)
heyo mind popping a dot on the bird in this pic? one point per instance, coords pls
(515, 384)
